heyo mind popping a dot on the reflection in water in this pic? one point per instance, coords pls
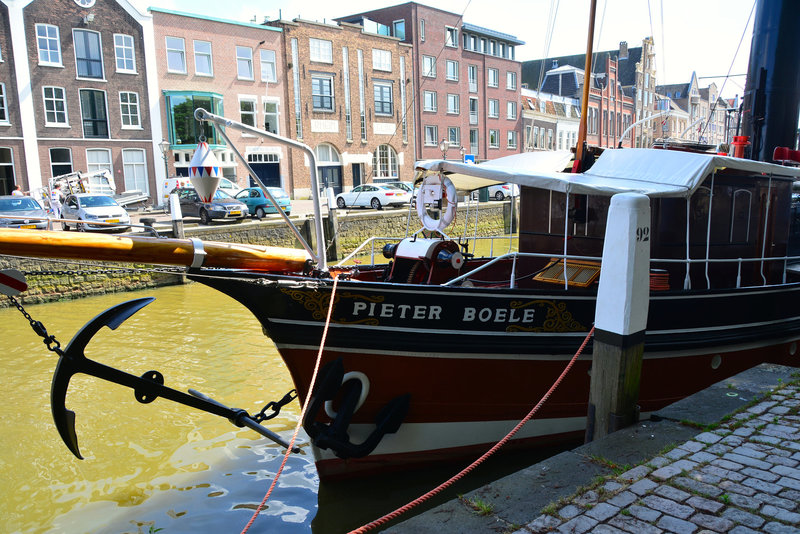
(159, 464)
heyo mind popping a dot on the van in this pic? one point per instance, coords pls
(172, 183)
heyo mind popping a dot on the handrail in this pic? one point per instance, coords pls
(319, 258)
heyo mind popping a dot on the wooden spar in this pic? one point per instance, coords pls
(580, 148)
(158, 251)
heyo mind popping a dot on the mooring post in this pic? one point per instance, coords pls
(176, 215)
(620, 317)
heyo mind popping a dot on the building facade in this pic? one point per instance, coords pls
(231, 69)
(465, 80)
(77, 82)
(707, 114)
(551, 121)
(348, 98)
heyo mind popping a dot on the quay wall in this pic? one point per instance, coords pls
(52, 280)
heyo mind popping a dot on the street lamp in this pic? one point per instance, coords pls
(444, 145)
(163, 146)
(462, 151)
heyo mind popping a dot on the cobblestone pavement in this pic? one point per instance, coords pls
(742, 477)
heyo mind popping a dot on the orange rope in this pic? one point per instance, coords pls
(486, 455)
(302, 412)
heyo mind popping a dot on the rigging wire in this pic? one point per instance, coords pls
(548, 39)
(727, 76)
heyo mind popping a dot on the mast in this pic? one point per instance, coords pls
(771, 103)
(580, 148)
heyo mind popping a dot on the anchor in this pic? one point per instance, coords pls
(334, 436)
(147, 387)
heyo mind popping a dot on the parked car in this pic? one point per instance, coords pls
(84, 210)
(23, 213)
(228, 186)
(258, 203)
(500, 191)
(222, 206)
(374, 196)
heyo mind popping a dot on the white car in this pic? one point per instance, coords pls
(374, 196)
(500, 191)
(83, 209)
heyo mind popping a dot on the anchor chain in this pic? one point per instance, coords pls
(275, 406)
(50, 341)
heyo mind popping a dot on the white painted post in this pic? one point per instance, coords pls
(176, 215)
(623, 298)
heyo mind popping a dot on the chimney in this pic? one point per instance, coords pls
(555, 64)
(623, 50)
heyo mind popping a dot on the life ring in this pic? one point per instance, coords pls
(352, 375)
(436, 183)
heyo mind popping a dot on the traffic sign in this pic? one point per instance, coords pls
(469, 158)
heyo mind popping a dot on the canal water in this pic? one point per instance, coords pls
(163, 465)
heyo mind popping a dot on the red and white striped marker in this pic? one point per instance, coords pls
(12, 282)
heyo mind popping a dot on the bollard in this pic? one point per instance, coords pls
(620, 317)
(177, 216)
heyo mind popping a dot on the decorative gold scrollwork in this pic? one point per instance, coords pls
(558, 319)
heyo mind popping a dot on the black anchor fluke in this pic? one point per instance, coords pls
(147, 387)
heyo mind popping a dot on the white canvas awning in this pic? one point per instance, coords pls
(656, 173)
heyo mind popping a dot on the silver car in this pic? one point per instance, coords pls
(22, 212)
(85, 210)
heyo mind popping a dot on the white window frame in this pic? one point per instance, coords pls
(453, 104)
(454, 136)
(3, 105)
(511, 110)
(511, 139)
(451, 37)
(429, 101)
(139, 169)
(265, 100)
(384, 163)
(54, 100)
(452, 70)
(99, 165)
(429, 66)
(252, 113)
(244, 59)
(50, 40)
(203, 54)
(120, 48)
(511, 80)
(431, 140)
(381, 60)
(492, 77)
(60, 163)
(132, 106)
(493, 108)
(82, 31)
(496, 135)
(320, 50)
(269, 71)
(173, 50)
(332, 96)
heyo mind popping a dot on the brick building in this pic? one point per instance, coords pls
(348, 99)
(706, 113)
(466, 81)
(77, 92)
(231, 69)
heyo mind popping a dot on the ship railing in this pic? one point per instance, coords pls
(370, 242)
(687, 282)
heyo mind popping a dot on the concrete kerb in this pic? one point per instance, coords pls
(592, 471)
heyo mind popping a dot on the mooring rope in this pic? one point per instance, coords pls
(302, 411)
(486, 455)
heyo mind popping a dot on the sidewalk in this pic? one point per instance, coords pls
(739, 476)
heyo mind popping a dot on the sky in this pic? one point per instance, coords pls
(700, 36)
